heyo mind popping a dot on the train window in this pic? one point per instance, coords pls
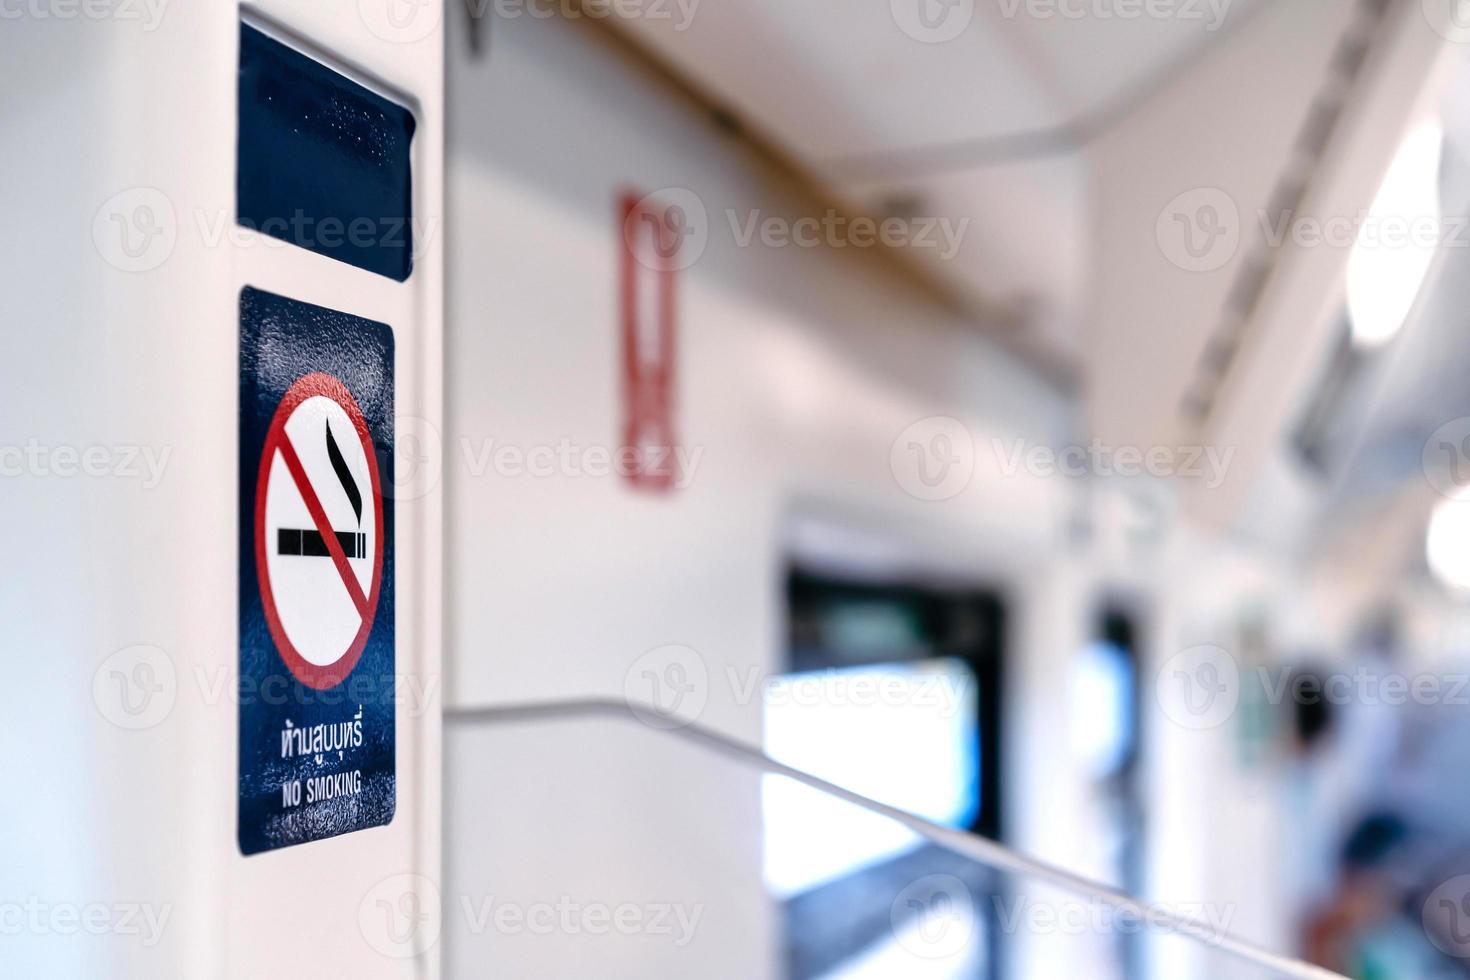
(892, 691)
(903, 734)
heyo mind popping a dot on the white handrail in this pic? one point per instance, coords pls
(960, 842)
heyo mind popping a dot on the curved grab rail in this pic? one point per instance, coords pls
(963, 843)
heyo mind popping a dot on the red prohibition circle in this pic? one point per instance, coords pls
(311, 386)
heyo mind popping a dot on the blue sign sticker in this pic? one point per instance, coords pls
(323, 162)
(317, 677)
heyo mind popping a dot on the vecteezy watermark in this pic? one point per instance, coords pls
(1365, 230)
(1061, 916)
(136, 687)
(670, 687)
(934, 458)
(679, 14)
(401, 21)
(572, 460)
(1449, 18)
(940, 693)
(136, 229)
(1212, 14)
(401, 916)
(35, 917)
(668, 230)
(1364, 685)
(1201, 688)
(1096, 459)
(1446, 917)
(414, 694)
(933, 21)
(35, 460)
(1446, 460)
(1199, 231)
(301, 230)
(567, 916)
(838, 231)
(418, 459)
(934, 918)
(148, 13)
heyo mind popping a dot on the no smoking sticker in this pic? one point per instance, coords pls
(318, 496)
(317, 678)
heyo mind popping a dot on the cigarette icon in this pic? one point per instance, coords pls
(310, 544)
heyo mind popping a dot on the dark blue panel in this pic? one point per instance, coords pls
(323, 162)
(283, 344)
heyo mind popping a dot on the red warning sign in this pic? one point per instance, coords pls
(652, 241)
(319, 531)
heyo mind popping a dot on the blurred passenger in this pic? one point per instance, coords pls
(1396, 906)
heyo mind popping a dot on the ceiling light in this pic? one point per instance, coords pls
(1448, 543)
(1397, 241)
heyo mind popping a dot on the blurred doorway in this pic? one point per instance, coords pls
(893, 691)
